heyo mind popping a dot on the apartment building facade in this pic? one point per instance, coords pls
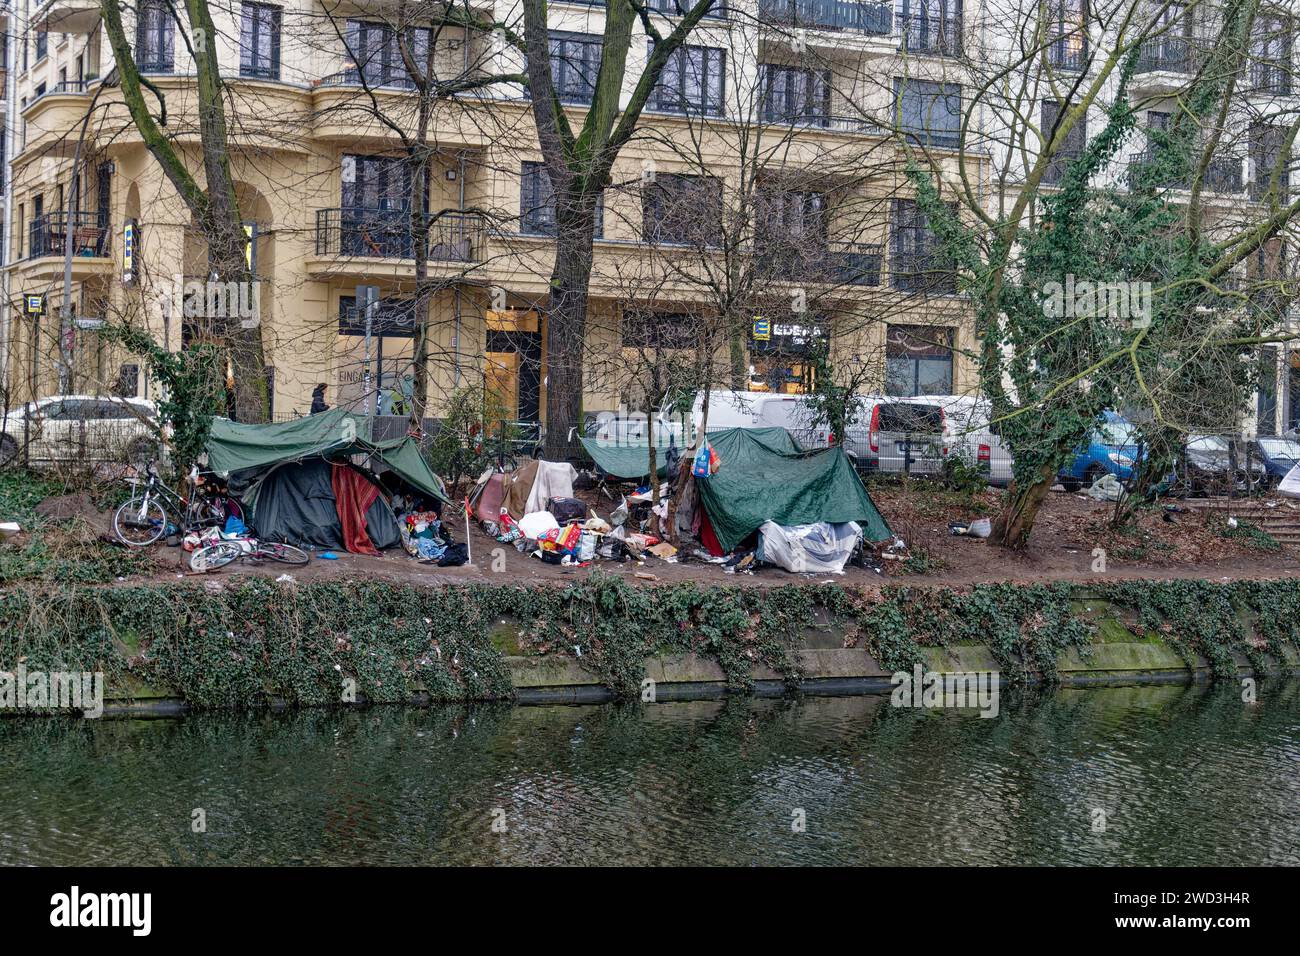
(314, 94)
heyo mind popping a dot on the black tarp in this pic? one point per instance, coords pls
(295, 504)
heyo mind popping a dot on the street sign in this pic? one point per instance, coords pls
(88, 322)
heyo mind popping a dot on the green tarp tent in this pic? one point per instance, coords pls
(337, 433)
(763, 476)
(632, 459)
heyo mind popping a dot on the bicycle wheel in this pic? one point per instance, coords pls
(214, 556)
(284, 553)
(140, 521)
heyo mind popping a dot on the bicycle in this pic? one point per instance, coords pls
(145, 517)
(229, 550)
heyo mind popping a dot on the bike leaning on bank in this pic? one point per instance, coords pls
(153, 508)
(227, 549)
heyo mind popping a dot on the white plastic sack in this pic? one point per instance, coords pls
(820, 548)
(1106, 488)
(537, 523)
(1290, 485)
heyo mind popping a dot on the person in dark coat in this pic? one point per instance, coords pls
(318, 399)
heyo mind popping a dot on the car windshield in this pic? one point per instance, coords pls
(1281, 448)
(1117, 433)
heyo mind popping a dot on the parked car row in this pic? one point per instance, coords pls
(919, 435)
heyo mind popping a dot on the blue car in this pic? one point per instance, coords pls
(1112, 449)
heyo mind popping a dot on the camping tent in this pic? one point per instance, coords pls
(1290, 484)
(763, 476)
(298, 484)
(529, 488)
(632, 459)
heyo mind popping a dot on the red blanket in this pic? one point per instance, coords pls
(354, 495)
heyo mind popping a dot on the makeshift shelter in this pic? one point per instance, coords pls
(1290, 483)
(298, 484)
(627, 460)
(763, 476)
(526, 489)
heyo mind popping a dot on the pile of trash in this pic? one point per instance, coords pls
(750, 499)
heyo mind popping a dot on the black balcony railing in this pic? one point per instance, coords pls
(873, 18)
(773, 113)
(1169, 55)
(1067, 53)
(387, 234)
(816, 261)
(373, 80)
(929, 273)
(65, 87)
(940, 35)
(1222, 175)
(47, 235)
(676, 8)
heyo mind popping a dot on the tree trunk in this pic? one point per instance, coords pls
(566, 325)
(1015, 521)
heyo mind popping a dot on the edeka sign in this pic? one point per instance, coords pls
(130, 238)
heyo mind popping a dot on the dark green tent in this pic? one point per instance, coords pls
(763, 476)
(629, 460)
(632, 459)
(235, 447)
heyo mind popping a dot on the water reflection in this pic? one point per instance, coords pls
(1182, 776)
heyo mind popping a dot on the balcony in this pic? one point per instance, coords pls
(927, 273)
(773, 114)
(1069, 54)
(676, 8)
(875, 19)
(368, 232)
(64, 88)
(1222, 175)
(817, 261)
(1170, 55)
(47, 235)
(353, 78)
(67, 16)
(934, 35)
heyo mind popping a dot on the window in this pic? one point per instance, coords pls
(1270, 51)
(794, 95)
(692, 81)
(1170, 48)
(932, 26)
(374, 49)
(918, 360)
(1266, 156)
(42, 45)
(930, 112)
(1068, 150)
(1067, 34)
(537, 203)
(659, 330)
(154, 37)
(259, 41)
(684, 209)
(575, 62)
(918, 263)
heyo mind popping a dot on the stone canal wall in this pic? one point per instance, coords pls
(253, 643)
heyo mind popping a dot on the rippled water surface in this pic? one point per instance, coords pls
(1182, 776)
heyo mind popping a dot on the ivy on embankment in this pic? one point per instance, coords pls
(240, 644)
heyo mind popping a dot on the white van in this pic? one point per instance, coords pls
(734, 409)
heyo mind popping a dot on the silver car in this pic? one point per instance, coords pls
(77, 428)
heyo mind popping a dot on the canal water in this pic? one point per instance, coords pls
(1136, 775)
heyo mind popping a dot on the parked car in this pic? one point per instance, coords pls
(1279, 456)
(81, 428)
(1213, 465)
(1112, 449)
(902, 436)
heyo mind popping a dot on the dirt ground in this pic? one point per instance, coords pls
(1069, 528)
